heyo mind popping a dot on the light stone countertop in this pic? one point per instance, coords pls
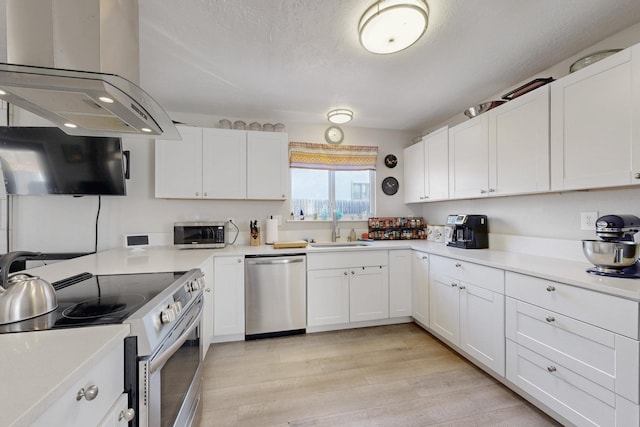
(37, 367)
(75, 349)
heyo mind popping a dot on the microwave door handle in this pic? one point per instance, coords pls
(159, 361)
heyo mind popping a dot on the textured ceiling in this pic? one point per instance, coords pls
(293, 60)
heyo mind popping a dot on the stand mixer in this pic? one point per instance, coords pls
(616, 254)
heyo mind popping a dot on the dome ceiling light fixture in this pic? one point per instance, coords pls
(340, 116)
(390, 26)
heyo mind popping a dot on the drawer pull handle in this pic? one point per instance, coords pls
(458, 265)
(550, 319)
(127, 414)
(89, 394)
(551, 288)
(551, 368)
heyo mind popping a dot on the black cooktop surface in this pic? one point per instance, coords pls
(86, 300)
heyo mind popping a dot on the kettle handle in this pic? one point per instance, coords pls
(8, 259)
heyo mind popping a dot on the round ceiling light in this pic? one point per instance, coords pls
(390, 26)
(339, 116)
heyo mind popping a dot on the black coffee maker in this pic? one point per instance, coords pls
(470, 232)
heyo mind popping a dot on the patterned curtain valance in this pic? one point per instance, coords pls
(308, 155)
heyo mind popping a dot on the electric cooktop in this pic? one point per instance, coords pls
(88, 300)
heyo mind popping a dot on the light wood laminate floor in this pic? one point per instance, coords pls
(395, 375)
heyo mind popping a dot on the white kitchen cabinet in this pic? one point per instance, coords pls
(327, 297)
(105, 380)
(344, 287)
(222, 164)
(207, 332)
(467, 309)
(519, 145)
(469, 158)
(267, 165)
(228, 292)
(119, 414)
(595, 124)
(565, 349)
(420, 285)
(368, 293)
(426, 168)
(178, 172)
(400, 283)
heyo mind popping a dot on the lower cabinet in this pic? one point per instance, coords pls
(400, 283)
(357, 291)
(228, 297)
(90, 400)
(467, 309)
(119, 415)
(420, 287)
(566, 348)
(207, 316)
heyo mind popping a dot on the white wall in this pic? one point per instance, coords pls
(66, 224)
(557, 215)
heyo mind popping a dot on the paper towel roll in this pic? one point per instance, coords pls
(272, 231)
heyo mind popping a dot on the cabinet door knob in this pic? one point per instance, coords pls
(205, 194)
(550, 319)
(346, 274)
(492, 190)
(425, 257)
(458, 265)
(551, 288)
(463, 287)
(353, 272)
(551, 368)
(239, 260)
(207, 289)
(127, 415)
(453, 285)
(89, 394)
(483, 191)
(197, 194)
(636, 175)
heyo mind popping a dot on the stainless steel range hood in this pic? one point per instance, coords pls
(85, 103)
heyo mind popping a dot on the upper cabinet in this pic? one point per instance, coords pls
(502, 152)
(519, 145)
(222, 164)
(426, 168)
(469, 158)
(595, 129)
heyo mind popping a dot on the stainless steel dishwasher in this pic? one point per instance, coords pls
(275, 295)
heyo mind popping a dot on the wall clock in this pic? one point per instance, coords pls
(390, 186)
(390, 161)
(334, 135)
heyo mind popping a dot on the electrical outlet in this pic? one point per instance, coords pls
(588, 220)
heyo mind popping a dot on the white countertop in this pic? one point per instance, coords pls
(38, 366)
(28, 355)
(167, 258)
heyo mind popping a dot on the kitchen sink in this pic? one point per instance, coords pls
(338, 244)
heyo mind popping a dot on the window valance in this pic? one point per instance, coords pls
(308, 155)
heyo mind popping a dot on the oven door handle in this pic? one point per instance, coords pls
(159, 361)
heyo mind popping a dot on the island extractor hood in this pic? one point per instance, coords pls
(84, 102)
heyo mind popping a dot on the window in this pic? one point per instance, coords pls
(339, 179)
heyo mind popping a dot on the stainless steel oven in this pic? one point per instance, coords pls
(169, 381)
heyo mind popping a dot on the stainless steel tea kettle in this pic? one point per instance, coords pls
(23, 296)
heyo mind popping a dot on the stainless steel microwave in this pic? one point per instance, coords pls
(200, 235)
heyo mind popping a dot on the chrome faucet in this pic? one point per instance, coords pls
(335, 231)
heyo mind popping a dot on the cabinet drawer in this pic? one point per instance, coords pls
(108, 376)
(479, 275)
(363, 258)
(601, 356)
(579, 400)
(612, 313)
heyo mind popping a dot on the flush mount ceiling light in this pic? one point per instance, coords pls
(390, 26)
(339, 116)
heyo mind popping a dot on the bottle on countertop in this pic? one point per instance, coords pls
(352, 236)
(301, 214)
